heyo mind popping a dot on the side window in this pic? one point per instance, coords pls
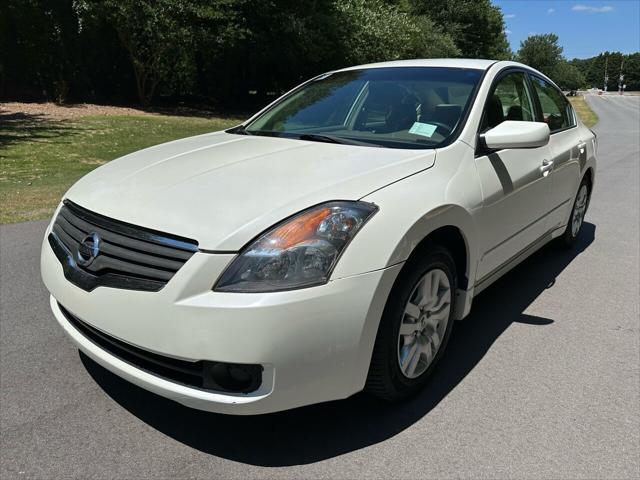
(509, 100)
(556, 111)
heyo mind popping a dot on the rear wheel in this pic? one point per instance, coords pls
(415, 326)
(578, 212)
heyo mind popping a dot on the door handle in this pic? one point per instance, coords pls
(547, 166)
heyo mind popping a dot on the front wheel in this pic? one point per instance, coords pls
(415, 326)
(578, 212)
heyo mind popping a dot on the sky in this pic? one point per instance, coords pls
(585, 28)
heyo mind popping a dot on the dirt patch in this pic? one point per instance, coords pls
(52, 111)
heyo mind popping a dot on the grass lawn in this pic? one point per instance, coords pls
(41, 158)
(587, 115)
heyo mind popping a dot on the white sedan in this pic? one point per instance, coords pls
(326, 245)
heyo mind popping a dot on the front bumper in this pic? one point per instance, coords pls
(314, 344)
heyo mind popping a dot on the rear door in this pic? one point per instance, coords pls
(568, 151)
(515, 183)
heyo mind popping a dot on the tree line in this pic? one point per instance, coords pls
(544, 53)
(614, 63)
(232, 52)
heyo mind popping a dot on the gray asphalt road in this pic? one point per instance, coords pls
(542, 381)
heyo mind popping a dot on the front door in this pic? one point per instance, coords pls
(515, 182)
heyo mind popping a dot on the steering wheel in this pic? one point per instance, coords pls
(446, 127)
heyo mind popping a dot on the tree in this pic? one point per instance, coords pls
(593, 69)
(632, 71)
(275, 44)
(476, 26)
(567, 76)
(152, 36)
(541, 52)
(287, 41)
(38, 44)
(234, 51)
(160, 36)
(375, 31)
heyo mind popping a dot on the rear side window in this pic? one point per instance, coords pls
(556, 111)
(509, 100)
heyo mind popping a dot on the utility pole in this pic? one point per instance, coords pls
(606, 76)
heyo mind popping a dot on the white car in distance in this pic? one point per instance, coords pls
(326, 245)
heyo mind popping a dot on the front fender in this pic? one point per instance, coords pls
(447, 194)
(394, 236)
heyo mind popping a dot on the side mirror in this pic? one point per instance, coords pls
(517, 134)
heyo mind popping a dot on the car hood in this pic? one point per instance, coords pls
(222, 189)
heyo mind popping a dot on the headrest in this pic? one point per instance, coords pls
(495, 115)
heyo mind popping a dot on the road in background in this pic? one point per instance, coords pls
(542, 381)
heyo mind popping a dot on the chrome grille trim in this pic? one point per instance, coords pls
(128, 257)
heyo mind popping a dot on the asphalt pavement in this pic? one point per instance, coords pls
(541, 381)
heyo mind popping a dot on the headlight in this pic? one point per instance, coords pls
(299, 252)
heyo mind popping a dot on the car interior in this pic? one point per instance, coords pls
(389, 110)
(393, 108)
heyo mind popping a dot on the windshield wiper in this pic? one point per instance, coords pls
(239, 130)
(316, 137)
(313, 137)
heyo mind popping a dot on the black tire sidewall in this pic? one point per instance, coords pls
(437, 258)
(568, 238)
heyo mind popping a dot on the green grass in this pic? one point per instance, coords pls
(588, 116)
(41, 159)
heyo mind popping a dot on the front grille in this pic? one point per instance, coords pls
(98, 251)
(202, 374)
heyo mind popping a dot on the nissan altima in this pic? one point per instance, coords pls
(325, 246)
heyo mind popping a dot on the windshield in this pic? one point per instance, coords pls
(406, 107)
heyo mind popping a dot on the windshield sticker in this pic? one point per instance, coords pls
(424, 129)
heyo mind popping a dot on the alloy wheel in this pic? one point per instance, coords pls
(424, 323)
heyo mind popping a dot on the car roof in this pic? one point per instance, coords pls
(431, 62)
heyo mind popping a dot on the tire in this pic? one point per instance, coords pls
(578, 211)
(389, 377)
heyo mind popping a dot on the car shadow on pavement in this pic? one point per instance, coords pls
(323, 431)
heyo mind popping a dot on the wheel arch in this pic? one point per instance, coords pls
(450, 226)
(452, 238)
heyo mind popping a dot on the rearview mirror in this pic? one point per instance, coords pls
(517, 134)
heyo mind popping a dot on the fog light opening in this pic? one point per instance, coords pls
(231, 377)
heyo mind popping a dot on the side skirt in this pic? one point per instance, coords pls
(518, 258)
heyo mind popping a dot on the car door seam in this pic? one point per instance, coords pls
(525, 227)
